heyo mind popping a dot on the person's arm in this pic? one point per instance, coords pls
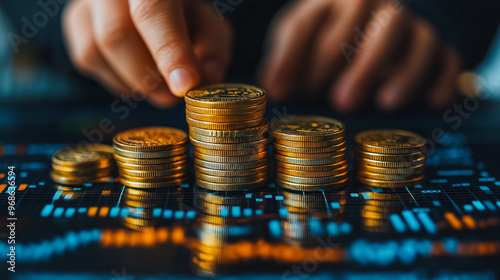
(467, 25)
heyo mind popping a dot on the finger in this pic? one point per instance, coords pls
(123, 48)
(359, 78)
(212, 43)
(162, 25)
(328, 55)
(416, 66)
(441, 93)
(291, 39)
(83, 50)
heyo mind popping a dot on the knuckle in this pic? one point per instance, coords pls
(114, 33)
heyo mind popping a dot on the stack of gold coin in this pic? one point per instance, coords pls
(152, 157)
(228, 132)
(82, 164)
(389, 158)
(310, 153)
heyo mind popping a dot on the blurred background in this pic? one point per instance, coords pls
(37, 68)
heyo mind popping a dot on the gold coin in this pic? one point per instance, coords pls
(150, 139)
(390, 164)
(150, 155)
(152, 174)
(78, 180)
(307, 128)
(393, 171)
(240, 159)
(231, 173)
(309, 174)
(231, 187)
(313, 156)
(171, 183)
(85, 172)
(312, 168)
(312, 181)
(390, 177)
(230, 166)
(303, 161)
(310, 144)
(393, 158)
(226, 119)
(227, 112)
(231, 180)
(225, 140)
(389, 141)
(78, 169)
(389, 184)
(258, 130)
(306, 187)
(233, 147)
(82, 156)
(152, 179)
(225, 96)
(283, 148)
(149, 161)
(154, 167)
(225, 126)
(229, 153)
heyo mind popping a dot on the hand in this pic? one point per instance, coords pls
(355, 48)
(159, 48)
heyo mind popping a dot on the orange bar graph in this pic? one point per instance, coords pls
(22, 187)
(2, 175)
(469, 221)
(2, 187)
(105, 192)
(453, 220)
(103, 212)
(92, 211)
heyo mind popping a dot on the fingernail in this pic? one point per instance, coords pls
(214, 71)
(180, 81)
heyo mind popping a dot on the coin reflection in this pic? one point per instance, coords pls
(307, 214)
(223, 221)
(375, 212)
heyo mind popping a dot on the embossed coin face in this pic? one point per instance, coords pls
(307, 128)
(150, 139)
(389, 140)
(83, 154)
(225, 96)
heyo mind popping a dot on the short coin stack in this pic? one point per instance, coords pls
(310, 153)
(152, 157)
(228, 132)
(82, 164)
(389, 158)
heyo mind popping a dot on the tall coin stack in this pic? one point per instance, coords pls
(310, 153)
(228, 132)
(82, 164)
(152, 157)
(389, 158)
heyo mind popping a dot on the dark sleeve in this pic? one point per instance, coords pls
(468, 25)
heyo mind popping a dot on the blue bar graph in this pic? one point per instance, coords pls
(398, 223)
(479, 206)
(490, 205)
(156, 212)
(70, 212)
(411, 220)
(429, 225)
(47, 210)
(335, 205)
